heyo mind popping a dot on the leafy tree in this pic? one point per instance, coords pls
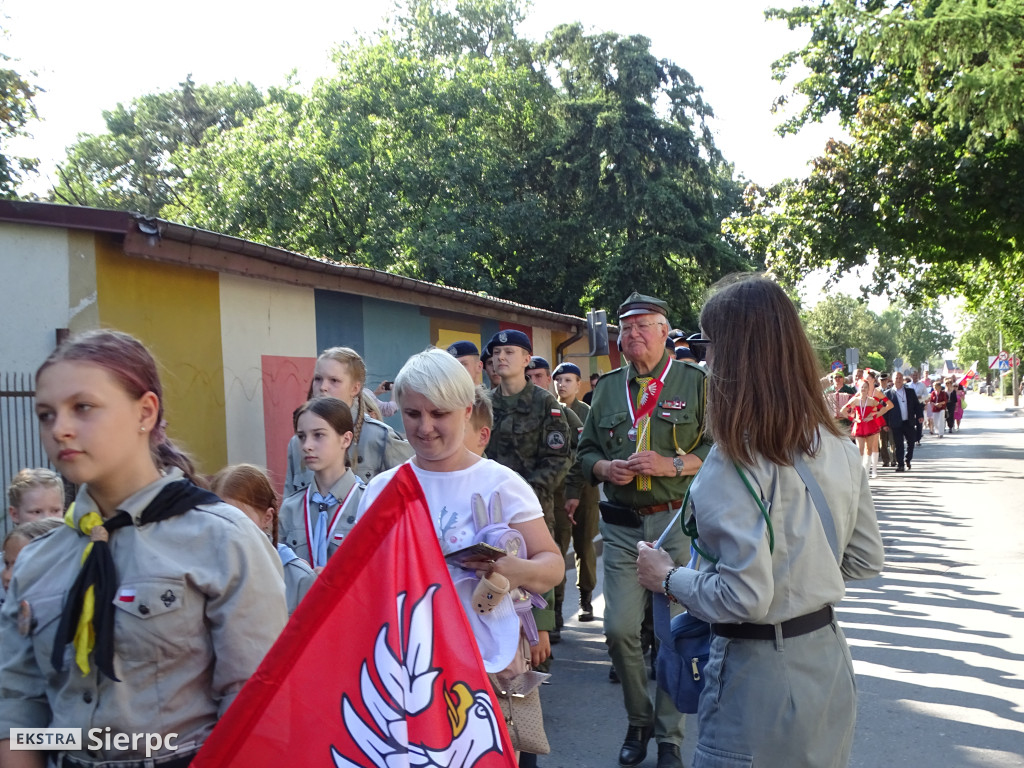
(131, 166)
(16, 110)
(635, 168)
(440, 149)
(839, 322)
(930, 184)
(399, 162)
(920, 334)
(982, 335)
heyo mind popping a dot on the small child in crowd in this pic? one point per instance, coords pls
(248, 488)
(481, 421)
(35, 494)
(16, 540)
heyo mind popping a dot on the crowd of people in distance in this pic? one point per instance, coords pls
(886, 414)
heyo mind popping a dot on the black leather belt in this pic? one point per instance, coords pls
(801, 625)
(164, 761)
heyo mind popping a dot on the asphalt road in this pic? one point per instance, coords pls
(937, 639)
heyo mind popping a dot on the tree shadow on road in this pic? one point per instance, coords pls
(938, 651)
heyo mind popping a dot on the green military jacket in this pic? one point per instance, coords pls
(531, 437)
(575, 481)
(676, 423)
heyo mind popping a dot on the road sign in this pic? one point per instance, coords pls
(837, 365)
(1003, 362)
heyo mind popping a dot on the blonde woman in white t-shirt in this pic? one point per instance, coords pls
(435, 395)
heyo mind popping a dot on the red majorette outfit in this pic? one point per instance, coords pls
(866, 420)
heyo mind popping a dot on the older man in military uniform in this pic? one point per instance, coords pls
(645, 440)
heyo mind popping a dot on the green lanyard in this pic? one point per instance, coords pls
(690, 526)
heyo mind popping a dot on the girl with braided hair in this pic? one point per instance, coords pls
(340, 372)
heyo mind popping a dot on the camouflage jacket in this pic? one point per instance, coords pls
(531, 436)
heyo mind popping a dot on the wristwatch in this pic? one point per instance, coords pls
(677, 462)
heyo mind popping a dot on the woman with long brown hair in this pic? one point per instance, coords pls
(779, 682)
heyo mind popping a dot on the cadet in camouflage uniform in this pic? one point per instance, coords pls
(539, 372)
(579, 505)
(531, 433)
(646, 459)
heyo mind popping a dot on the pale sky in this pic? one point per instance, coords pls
(90, 56)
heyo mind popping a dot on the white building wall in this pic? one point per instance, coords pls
(258, 318)
(34, 294)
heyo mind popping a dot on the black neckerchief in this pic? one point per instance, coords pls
(98, 571)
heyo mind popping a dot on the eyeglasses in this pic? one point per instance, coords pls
(625, 330)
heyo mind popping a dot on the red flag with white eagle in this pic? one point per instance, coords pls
(971, 373)
(377, 666)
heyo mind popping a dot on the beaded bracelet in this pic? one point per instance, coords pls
(665, 585)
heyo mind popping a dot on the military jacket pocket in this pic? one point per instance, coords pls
(294, 537)
(612, 431)
(610, 421)
(675, 416)
(525, 425)
(154, 618)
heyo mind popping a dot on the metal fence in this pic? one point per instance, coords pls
(19, 432)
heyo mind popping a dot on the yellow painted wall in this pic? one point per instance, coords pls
(175, 312)
(446, 338)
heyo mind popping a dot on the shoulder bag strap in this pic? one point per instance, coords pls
(818, 498)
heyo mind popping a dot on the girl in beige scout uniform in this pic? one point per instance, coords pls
(248, 488)
(188, 596)
(315, 520)
(783, 517)
(340, 372)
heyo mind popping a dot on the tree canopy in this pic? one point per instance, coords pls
(16, 110)
(132, 166)
(839, 322)
(928, 189)
(563, 173)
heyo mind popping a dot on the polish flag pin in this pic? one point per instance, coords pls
(126, 595)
